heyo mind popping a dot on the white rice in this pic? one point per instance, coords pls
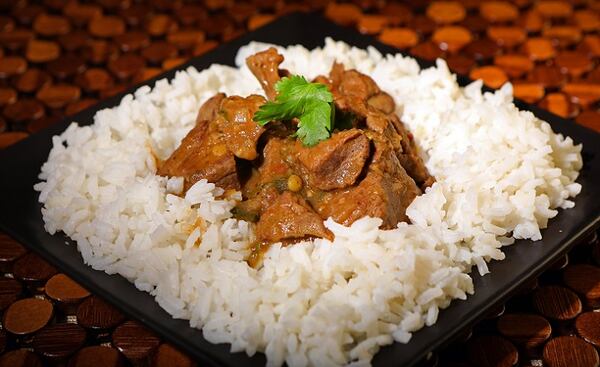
(501, 174)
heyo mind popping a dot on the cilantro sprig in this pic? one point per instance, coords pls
(311, 103)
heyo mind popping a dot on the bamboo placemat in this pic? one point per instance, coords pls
(58, 57)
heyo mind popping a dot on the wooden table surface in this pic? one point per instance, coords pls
(58, 57)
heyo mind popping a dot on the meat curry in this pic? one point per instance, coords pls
(369, 166)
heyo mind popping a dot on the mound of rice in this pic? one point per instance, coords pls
(501, 174)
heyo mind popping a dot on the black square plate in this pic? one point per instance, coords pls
(21, 218)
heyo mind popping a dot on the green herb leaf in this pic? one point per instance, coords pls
(311, 103)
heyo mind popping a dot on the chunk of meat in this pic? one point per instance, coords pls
(202, 154)
(336, 74)
(382, 102)
(265, 67)
(376, 196)
(276, 159)
(358, 93)
(357, 84)
(251, 209)
(379, 122)
(290, 218)
(224, 129)
(236, 123)
(385, 192)
(409, 157)
(334, 163)
(266, 182)
(209, 109)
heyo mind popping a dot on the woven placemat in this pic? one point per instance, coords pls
(58, 57)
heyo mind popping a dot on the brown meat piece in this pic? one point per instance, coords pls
(409, 157)
(358, 93)
(266, 182)
(381, 123)
(290, 218)
(352, 101)
(382, 102)
(276, 158)
(334, 163)
(251, 209)
(357, 84)
(224, 128)
(202, 154)
(265, 67)
(375, 196)
(238, 127)
(385, 192)
(336, 74)
(209, 110)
